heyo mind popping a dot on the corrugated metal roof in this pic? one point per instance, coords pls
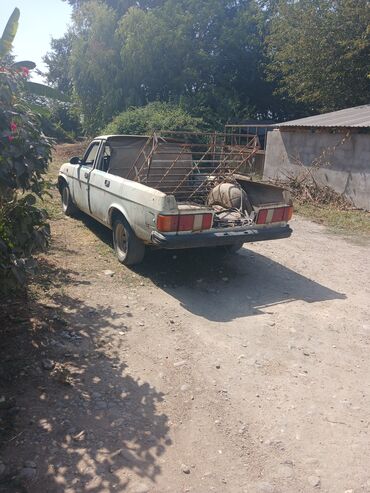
(358, 116)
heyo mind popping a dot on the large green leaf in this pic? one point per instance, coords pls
(24, 63)
(45, 91)
(6, 41)
(41, 110)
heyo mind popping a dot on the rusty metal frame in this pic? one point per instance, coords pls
(221, 160)
(153, 141)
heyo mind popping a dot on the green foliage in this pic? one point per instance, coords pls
(45, 91)
(95, 65)
(153, 117)
(24, 150)
(348, 222)
(24, 64)
(66, 118)
(62, 120)
(207, 55)
(121, 6)
(320, 52)
(23, 228)
(58, 63)
(24, 156)
(6, 41)
(222, 60)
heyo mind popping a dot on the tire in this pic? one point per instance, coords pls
(68, 206)
(230, 249)
(129, 249)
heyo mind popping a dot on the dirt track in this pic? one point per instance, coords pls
(196, 373)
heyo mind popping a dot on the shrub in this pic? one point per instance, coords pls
(22, 229)
(153, 117)
(24, 156)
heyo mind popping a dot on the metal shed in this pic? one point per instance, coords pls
(336, 143)
(357, 117)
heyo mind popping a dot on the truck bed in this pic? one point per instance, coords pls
(189, 168)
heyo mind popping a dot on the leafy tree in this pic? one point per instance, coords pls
(58, 63)
(153, 117)
(24, 158)
(121, 6)
(210, 56)
(205, 53)
(61, 120)
(95, 65)
(320, 51)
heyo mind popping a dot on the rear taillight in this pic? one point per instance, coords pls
(184, 222)
(262, 216)
(207, 221)
(166, 224)
(288, 213)
(278, 215)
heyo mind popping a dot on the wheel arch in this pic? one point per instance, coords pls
(134, 250)
(61, 182)
(116, 210)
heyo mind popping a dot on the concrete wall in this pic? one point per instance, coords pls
(345, 161)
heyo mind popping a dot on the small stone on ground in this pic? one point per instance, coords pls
(185, 469)
(314, 481)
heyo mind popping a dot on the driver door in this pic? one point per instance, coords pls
(83, 176)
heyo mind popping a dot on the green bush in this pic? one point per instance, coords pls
(58, 120)
(153, 117)
(22, 229)
(24, 156)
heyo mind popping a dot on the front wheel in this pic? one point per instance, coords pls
(129, 249)
(67, 205)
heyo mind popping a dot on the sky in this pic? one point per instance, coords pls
(40, 21)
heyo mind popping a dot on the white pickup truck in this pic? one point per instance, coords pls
(173, 194)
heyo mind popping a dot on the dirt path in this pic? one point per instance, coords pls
(192, 373)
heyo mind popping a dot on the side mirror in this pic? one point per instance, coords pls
(75, 160)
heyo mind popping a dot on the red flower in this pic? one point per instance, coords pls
(13, 126)
(25, 71)
(10, 138)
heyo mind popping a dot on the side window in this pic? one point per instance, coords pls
(104, 162)
(91, 154)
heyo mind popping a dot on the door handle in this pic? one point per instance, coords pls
(107, 183)
(86, 175)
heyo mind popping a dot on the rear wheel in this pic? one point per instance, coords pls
(230, 249)
(129, 249)
(234, 248)
(67, 205)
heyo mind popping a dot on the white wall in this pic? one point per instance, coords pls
(345, 160)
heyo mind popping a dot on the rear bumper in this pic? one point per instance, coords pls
(222, 238)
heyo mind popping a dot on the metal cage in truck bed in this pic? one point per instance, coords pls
(184, 164)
